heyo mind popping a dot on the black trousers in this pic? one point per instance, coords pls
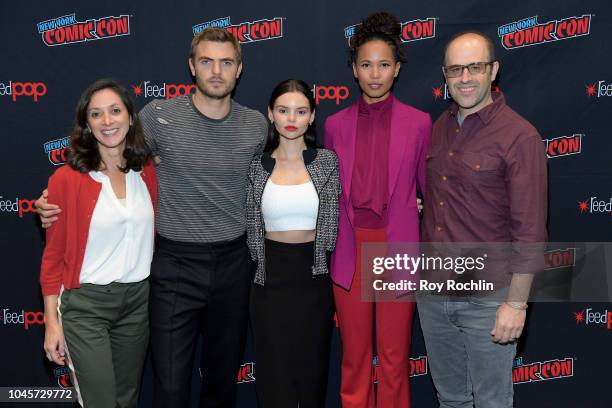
(198, 289)
(292, 321)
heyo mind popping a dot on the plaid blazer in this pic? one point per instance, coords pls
(322, 167)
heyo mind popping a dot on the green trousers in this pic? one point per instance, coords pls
(106, 328)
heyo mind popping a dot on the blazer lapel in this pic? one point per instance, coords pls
(347, 145)
(397, 144)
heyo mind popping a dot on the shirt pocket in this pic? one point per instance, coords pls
(480, 171)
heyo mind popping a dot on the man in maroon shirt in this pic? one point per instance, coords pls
(486, 183)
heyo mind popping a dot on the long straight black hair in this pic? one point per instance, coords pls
(291, 85)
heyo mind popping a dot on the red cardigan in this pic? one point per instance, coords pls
(76, 194)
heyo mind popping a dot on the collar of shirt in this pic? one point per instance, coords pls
(367, 109)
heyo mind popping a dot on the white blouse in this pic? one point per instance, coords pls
(120, 241)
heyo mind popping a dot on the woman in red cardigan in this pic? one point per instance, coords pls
(96, 262)
(381, 145)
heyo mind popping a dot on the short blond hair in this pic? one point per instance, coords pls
(216, 34)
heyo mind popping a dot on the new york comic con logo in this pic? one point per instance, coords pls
(246, 373)
(248, 31)
(528, 31)
(56, 150)
(559, 258)
(417, 366)
(62, 376)
(542, 370)
(564, 145)
(67, 30)
(413, 30)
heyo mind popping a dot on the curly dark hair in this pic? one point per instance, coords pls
(83, 154)
(286, 86)
(378, 26)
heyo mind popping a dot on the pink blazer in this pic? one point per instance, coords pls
(408, 144)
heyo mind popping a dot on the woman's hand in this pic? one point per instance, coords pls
(55, 343)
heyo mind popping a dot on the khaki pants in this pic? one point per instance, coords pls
(106, 328)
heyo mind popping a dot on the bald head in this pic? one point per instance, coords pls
(473, 40)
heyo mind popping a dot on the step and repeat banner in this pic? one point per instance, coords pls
(556, 71)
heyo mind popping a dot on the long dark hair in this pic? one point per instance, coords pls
(378, 26)
(83, 154)
(291, 85)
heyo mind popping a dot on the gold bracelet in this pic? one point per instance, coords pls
(517, 305)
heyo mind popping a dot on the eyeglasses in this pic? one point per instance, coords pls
(475, 68)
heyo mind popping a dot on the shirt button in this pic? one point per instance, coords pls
(477, 167)
(450, 153)
(444, 178)
(439, 228)
(457, 130)
(441, 203)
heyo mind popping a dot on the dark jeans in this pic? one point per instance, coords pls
(198, 289)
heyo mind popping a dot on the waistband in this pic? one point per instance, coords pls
(165, 243)
(287, 245)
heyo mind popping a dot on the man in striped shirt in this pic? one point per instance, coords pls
(201, 271)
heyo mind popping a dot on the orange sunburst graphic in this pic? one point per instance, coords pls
(591, 89)
(583, 206)
(137, 89)
(579, 317)
(437, 92)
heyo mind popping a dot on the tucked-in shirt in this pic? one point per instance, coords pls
(486, 179)
(369, 186)
(203, 170)
(120, 240)
(291, 207)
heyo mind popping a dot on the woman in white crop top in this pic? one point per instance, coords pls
(292, 219)
(98, 253)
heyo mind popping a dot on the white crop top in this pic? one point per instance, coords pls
(291, 207)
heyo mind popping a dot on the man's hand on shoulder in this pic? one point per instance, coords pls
(48, 213)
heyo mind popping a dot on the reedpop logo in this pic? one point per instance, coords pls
(441, 92)
(19, 206)
(22, 317)
(590, 317)
(598, 89)
(335, 93)
(593, 205)
(16, 89)
(147, 89)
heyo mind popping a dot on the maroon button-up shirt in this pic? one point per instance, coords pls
(486, 179)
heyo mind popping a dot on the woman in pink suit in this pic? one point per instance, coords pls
(381, 145)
